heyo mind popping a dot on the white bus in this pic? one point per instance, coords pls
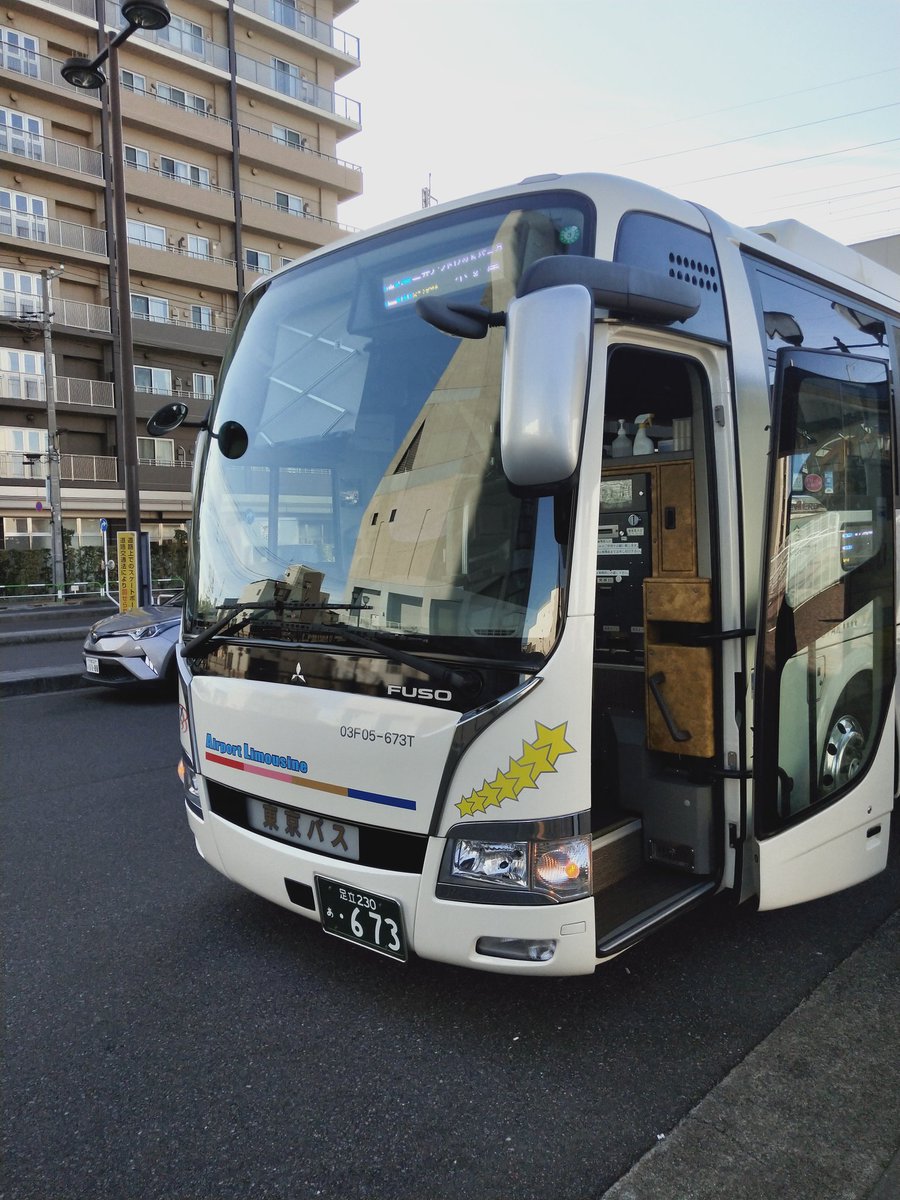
(542, 577)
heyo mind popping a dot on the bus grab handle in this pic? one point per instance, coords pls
(676, 734)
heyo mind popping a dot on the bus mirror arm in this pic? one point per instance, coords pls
(459, 320)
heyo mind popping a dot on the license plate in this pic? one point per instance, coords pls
(303, 829)
(375, 922)
(92, 665)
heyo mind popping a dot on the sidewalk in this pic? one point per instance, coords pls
(812, 1113)
(53, 635)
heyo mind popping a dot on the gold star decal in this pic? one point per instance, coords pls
(520, 775)
(505, 785)
(537, 758)
(491, 795)
(465, 806)
(554, 740)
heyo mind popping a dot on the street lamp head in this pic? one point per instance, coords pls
(146, 14)
(82, 73)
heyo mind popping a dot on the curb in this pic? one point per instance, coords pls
(52, 679)
(28, 637)
(809, 1113)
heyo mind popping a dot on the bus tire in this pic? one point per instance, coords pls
(848, 735)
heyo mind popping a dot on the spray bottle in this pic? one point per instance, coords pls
(643, 443)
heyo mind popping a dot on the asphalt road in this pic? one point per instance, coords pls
(170, 1035)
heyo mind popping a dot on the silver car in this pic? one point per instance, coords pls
(134, 648)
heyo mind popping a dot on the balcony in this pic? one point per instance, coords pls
(73, 468)
(87, 393)
(29, 227)
(289, 17)
(87, 468)
(165, 475)
(295, 87)
(76, 314)
(51, 152)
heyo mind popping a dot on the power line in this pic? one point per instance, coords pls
(789, 162)
(766, 133)
(827, 187)
(768, 99)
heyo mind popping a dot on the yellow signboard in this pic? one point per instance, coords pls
(128, 573)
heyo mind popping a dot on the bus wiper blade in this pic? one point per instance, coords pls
(445, 675)
(226, 625)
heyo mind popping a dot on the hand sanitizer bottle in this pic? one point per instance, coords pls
(621, 443)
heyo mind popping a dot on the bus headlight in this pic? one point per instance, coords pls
(516, 869)
(503, 863)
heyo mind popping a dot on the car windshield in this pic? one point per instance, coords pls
(370, 494)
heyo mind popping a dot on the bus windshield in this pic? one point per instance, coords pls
(370, 495)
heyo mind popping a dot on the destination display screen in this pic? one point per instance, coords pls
(442, 276)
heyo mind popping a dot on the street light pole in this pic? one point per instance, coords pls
(54, 495)
(123, 303)
(87, 73)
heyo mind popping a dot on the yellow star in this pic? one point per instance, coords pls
(553, 739)
(465, 806)
(505, 785)
(520, 774)
(477, 802)
(537, 758)
(490, 794)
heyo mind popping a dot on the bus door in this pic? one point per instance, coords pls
(823, 737)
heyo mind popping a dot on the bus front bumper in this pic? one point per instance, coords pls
(533, 939)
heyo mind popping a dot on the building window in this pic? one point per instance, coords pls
(147, 235)
(258, 260)
(194, 246)
(290, 137)
(19, 52)
(186, 172)
(150, 308)
(20, 294)
(153, 379)
(22, 215)
(201, 316)
(26, 533)
(23, 453)
(132, 82)
(21, 134)
(286, 78)
(180, 98)
(21, 374)
(203, 384)
(291, 204)
(135, 157)
(156, 452)
(183, 35)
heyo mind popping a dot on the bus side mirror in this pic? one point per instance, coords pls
(546, 371)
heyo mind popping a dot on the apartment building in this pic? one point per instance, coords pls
(232, 119)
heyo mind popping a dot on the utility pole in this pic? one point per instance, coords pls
(57, 561)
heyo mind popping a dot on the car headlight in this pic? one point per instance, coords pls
(149, 631)
(534, 868)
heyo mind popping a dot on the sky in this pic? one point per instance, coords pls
(758, 109)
